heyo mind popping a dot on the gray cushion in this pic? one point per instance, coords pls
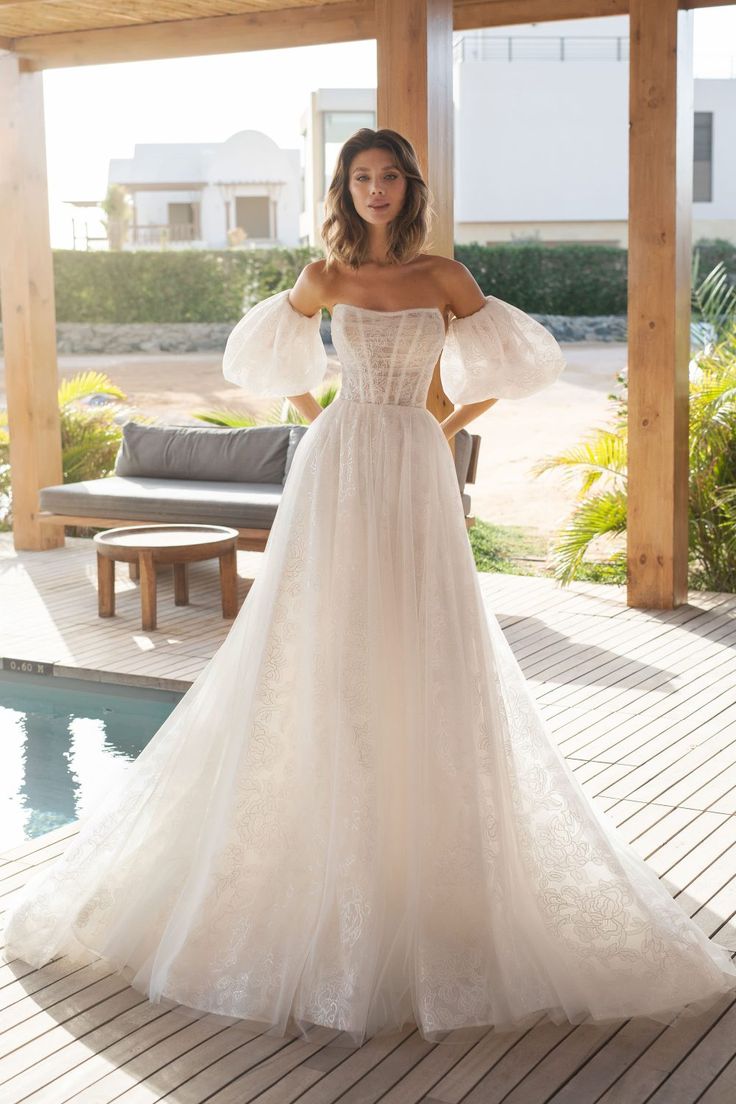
(243, 505)
(463, 449)
(253, 454)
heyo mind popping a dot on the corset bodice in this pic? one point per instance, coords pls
(387, 357)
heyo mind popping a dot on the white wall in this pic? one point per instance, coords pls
(546, 141)
(541, 140)
(719, 96)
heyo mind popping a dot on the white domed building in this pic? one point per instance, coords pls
(244, 191)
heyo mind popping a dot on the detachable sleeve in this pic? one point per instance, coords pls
(275, 350)
(498, 352)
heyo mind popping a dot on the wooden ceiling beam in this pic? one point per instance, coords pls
(281, 28)
(271, 29)
(470, 14)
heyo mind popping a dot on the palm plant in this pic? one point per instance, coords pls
(600, 460)
(89, 438)
(713, 303)
(119, 210)
(279, 413)
(712, 529)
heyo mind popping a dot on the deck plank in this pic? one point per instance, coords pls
(643, 706)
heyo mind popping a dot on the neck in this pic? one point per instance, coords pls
(377, 244)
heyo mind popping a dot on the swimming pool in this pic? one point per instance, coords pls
(62, 740)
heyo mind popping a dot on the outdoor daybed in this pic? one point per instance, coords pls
(205, 474)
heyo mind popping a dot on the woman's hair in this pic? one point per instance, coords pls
(345, 233)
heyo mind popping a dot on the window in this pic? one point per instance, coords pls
(703, 157)
(338, 126)
(182, 221)
(252, 215)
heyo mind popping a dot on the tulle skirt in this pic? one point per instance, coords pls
(356, 818)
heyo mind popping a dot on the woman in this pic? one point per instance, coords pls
(356, 818)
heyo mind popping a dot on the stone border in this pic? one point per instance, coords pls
(100, 339)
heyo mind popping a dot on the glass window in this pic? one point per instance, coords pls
(338, 126)
(703, 157)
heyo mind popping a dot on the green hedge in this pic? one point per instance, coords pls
(192, 285)
(196, 285)
(561, 279)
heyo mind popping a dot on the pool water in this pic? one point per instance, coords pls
(62, 741)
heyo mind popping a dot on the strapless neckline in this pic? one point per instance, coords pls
(404, 310)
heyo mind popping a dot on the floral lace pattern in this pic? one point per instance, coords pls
(275, 350)
(498, 352)
(356, 816)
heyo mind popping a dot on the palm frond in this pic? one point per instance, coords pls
(85, 384)
(226, 417)
(602, 454)
(600, 514)
(714, 299)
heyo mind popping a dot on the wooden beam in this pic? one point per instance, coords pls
(471, 14)
(416, 100)
(280, 28)
(228, 34)
(660, 200)
(27, 290)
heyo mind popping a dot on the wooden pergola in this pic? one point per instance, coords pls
(414, 96)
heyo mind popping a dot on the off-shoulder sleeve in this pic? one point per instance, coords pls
(275, 350)
(498, 352)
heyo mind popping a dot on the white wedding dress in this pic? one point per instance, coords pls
(356, 817)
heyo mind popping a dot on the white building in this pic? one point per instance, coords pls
(541, 137)
(245, 190)
(333, 115)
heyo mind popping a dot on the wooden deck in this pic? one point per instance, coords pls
(643, 704)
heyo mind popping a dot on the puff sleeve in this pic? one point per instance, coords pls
(498, 352)
(275, 350)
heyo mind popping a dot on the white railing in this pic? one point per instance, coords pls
(481, 46)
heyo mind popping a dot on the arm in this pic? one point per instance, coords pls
(306, 296)
(307, 405)
(463, 296)
(462, 415)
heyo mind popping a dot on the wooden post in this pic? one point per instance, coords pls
(660, 196)
(27, 289)
(414, 96)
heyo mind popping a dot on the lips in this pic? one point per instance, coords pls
(377, 206)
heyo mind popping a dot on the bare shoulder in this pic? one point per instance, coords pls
(308, 292)
(455, 282)
(459, 287)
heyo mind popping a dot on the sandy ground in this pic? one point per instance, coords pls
(515, 434)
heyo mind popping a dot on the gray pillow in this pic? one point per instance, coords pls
(253, 454)
(463, 449)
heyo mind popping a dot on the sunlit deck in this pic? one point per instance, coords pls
(643, 704)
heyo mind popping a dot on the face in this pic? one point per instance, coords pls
(377, 186)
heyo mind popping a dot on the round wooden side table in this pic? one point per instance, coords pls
(147, 545)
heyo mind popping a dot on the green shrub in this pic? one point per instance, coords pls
(202, 285)
(561, 279)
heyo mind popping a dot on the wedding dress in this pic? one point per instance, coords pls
(355, 817)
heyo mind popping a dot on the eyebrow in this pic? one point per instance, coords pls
(362, 168)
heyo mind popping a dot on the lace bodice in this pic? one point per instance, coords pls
(389, 356)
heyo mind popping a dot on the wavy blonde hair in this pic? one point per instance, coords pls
(345, 233)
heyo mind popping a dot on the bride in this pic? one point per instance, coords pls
(356, 818)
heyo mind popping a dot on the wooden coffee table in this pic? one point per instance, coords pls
(144, 546)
